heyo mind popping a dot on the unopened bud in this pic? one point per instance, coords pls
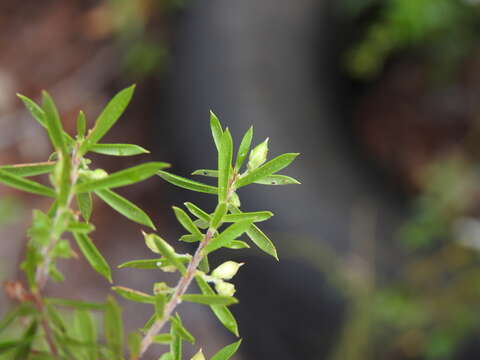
(224, 288)
(199, 355)
(258, 155)
(227, 270)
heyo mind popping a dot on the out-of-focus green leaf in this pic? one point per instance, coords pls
(199, 213)
(228, 235)
(23, 184)
(180, 329)
(23, 170)
(267, 169)
(206, 172)
(81, 124)
(210, 299)
(166, 356)
(244, 148)
(160, 302)
(21, 310)
(176, 344)
(222, 313)
(134, 295)
(125, 177)
(255, 216)
(163, 338)
(76, 304)
(227, 352)
(277, 180)
(224, 165)
(258, 237)
(216, 128)
(118, 149)
(109, 117)
(86, 332)
(79, 227)
(113, 325)
(125, 207)
(84, 203)
(28, 337)
(54, 125)
(93, 256)
(186, 221)
(134, 344)
(6, 346)
(187, 183)
(36, 111)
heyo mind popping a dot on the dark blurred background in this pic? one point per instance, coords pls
(379, 246)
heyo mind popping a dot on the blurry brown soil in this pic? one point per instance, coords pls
(406, 122)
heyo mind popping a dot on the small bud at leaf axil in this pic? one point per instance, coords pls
(258, 155)
(224, 288)
(227, 270)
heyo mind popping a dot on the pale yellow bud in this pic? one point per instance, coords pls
(224, 288)
(227, 270)
(258, 155)
(198, 356)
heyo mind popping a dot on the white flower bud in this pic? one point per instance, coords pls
(224, 288)
(150, 242)
(227, 270)
(258, 155)
(198, 356)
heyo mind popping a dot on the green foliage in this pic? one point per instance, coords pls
(72, 185)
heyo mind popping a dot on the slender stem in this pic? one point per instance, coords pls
(175, 300)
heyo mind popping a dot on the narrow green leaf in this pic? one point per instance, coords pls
(223, 314)
(204, 265)
(199, 213)
(79, 227)
(134, 295)
(125, 207)
(267, 169)
(93, 256)
(76, 304)
(190, 238)
(160, 302)
(255, 216)
(109, 116)
(63, 169)
(125, 177)
(8, 345)
(186, 221)
(163, 338)
(86, 331)
(19, 311)
(166, 250)
(216, 128)
(227, 352)
(142, 264)
(81, 124)
(176, 344)
(28, 337)
(84, 203)
(55, 319)
(206, 172)
(277, 180)
(166, 356)
(134, 344)
(24, 170)
(118, 149)
(237, 245)
(224, 165)
(244, 148)
(180, 329)
(187, 183)
(20, 183)
(210, 299)
(218, 215)
(36, 111)
(54, 125)
(113, 325)
(228, 235)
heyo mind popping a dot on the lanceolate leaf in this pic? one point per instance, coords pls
(277, 180)
(216, 128)
(93, 256)
(186, 221)
(81, 124)
(114, 328)
(86, 332)
(199, 213)
(250, 216)
(142, 264)
(210, 299)
(109, 116)
(166, 250)
(76, 304)
(134, 295)
(23, 170)
(228, 235)
(20, 183)
(227, 352)
(244, 148)
(125, 207)
(122, 178)
(221, 312)
(176, 344)
(224, 165)
(180, 329)
(84, 203)
(187, 183)
(160, 302)
(118, 149)
(218, 215)
(267, 169)
(36, 111)
(80, 227)
(206, 172)
(54, 125)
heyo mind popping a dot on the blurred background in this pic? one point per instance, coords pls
(379, 246)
